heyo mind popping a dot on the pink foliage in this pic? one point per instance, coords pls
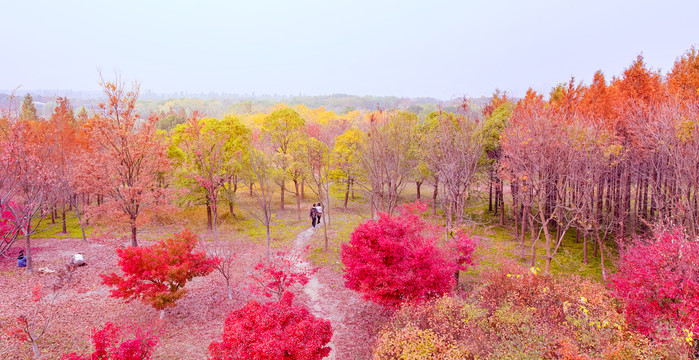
(283, 270)
(659, 283)
(396, 259)
(157, 274)
(108, 347)
(276, 330)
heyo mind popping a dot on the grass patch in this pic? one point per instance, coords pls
(341, 227)
(55, 231)
(500, 241)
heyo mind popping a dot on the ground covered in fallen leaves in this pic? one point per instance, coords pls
(186, 330)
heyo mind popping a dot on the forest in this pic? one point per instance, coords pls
(552, 226)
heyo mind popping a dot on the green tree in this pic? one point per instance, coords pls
(208, 152)
(281, 128)
(28, 112)
(345, 160)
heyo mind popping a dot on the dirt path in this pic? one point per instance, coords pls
(314, 288)
(354, 321)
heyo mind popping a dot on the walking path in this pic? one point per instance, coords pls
(319, 306)
(354, 321)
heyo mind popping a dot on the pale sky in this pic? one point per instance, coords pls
(434, 48)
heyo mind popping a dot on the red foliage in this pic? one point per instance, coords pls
(108, 347)
(157, 274)
(8, 227)
(659, 283)
(276, 330)
(396, 259)
(273, 277)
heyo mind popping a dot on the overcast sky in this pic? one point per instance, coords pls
(434, 48)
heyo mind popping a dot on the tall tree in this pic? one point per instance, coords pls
(63, 140)
(208, 152)
(282, 128)
(28, 110)
(128, 156)
(454, 147)
(387, 157)
(31, 186)
(346, 167)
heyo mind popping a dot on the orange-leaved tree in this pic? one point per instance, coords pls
(128, 156)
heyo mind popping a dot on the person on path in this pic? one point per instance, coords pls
(319, 210)
(314, 215)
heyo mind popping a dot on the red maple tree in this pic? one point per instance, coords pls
(109, 347)
(276, 330)
(397, 259)
(157, 274)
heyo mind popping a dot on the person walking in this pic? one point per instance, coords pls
(314, 215)
(319, 211)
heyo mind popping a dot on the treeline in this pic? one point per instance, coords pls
(607, 159)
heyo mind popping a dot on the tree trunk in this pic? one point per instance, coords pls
(35, 350)
(532, 231)
(82, 228)
(577, 235)
(298, 200)
(28, 249)
(214, 212)
(502, 203)
(585, 248)
(524, 224)
(352, 182)
(601, 251)
(418, 184)
(209, 225)
(269, 243)
(63, 216)
(490, 192)
(134, 242)
(434, 195)
(283, 190)
(349, 181)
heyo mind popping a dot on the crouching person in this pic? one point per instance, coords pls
(77, 260)
(21, 259)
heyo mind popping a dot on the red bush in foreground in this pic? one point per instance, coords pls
(108, 347)
(157, 274)
(659, 283)
(396, 259)
(276, 330)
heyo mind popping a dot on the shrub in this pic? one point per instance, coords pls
(276, 330)
(110, 344)
(516, 314)
(659, 283)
